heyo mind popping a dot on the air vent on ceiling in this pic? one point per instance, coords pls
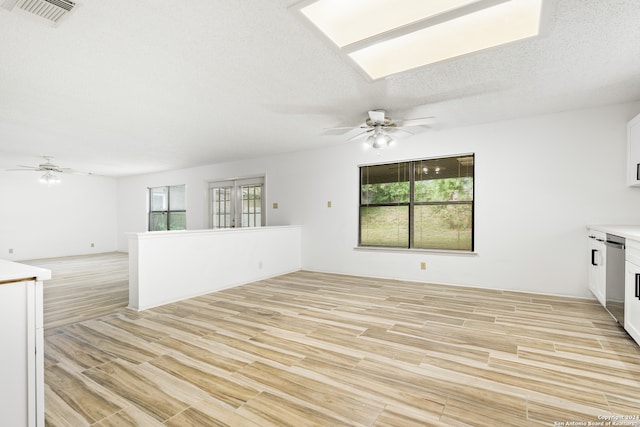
(52, 11)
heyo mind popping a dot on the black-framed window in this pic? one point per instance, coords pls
(420, 204)
(167, 208)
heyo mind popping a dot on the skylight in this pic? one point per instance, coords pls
(384, 37)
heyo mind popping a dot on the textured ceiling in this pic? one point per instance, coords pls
(129, 87)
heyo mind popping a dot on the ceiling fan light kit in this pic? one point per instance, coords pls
(379, 140)
(49, 178)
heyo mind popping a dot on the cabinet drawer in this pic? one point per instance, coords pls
(598, 235)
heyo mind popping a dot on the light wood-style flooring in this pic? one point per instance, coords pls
(314, 349)
(82, 287)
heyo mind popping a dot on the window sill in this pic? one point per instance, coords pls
(416, 251)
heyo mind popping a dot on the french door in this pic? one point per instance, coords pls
(236, 203)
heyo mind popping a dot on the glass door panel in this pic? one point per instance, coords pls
(236, 203)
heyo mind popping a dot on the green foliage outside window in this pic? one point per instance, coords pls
(438, 215)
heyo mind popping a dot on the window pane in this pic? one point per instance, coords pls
(445, 179)
(446, 167)
(445, 226)
(384, 226)
(177, 221)
(444, 190)
(251, 206)
(177, 198)
(221, 207)
(382, 184)
(397, 192)
(158, 221)
(159, 198)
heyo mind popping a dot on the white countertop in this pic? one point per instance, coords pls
(627, 231)
(13, 271)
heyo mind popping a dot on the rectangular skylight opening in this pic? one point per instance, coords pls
(384, 37)
(494, 26)
(350, 21)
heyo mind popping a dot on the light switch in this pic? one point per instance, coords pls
(275, 205)
(329, 204)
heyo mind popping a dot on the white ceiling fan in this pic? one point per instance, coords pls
(378, 126)
(50, 170)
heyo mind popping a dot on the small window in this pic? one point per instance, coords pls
(237, 203)
(423, 204)
(167, 208)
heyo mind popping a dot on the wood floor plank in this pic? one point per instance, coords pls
(81, 395)
(72, 349)
(203, 351)
(270, 410)
(123, 379)
(117, 346)
(224, 390)
(320, 349)
(129, 416)
(409, 397)
(333, 400)
(210, 413)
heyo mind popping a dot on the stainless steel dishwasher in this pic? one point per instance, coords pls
(614, 283)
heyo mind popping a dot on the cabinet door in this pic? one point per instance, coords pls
(633, 151)
(632, 301)
(17, 359)
(597, 279)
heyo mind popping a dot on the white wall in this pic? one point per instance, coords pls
(132, 192)
(539, 182)
(169, 266)
(40, 221)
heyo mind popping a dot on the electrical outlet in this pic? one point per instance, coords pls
(329, 204)
(10, 250)
(423, 265)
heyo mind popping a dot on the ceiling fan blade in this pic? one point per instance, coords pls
(75, 172)
(422, 121)
(331, 132)
(361, 134)
(377, 116)
(397, 129)
(21, 170)
(341, 128)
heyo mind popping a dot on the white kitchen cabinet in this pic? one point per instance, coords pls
(632, 301)
(597, 271)
(22, 354)
(633, 151)
(632, 290)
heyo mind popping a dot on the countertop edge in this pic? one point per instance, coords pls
(11, 271)
(631, 232)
